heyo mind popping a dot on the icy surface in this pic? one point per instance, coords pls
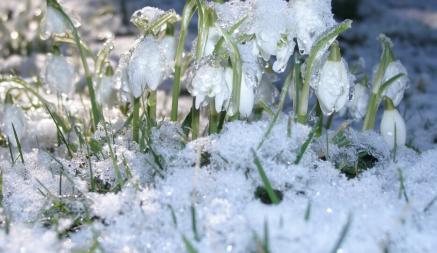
(222, 192)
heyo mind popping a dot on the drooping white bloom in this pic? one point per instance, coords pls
(53, 23)
(59, 74)
(209, 83)
(274, 32)
(105, 92)
(357, 106)
(313, 18)
(393, 128)
(14, 116)
(397, 89)
(151, 62)
(332, 87)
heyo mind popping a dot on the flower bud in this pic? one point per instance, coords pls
(333, 84)
(397, 89)
(150, 64)
(209, 82)
(393, 127)
(59, 74)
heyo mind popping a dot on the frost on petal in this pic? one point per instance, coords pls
(146, 68)
(232, 11)
(167, 47)
(59, 74)
(105, 92)
(121, 79)
(313, 18)
(53, 23)
(393, 128)
(333, 86)
(13, 116)
(358, 105)
(208, 82)
(247, 99)
(284, 52)
(397, 89)
(270, 23)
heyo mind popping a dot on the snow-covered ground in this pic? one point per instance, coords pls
(208, 194)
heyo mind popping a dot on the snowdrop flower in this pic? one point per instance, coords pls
(105, 92)
(54, 22)
(59, 74)
(333, 83)
(209, 82)
(274, 32)
(397, 89)
(145, 18)
(360, 98)
(393, 127)
(13, 115)
(151, 62)
(313, 18)
(252, 74)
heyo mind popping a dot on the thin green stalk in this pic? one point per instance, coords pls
(88, 76)
(195, 121)
(237, 73)
(11, 154)
(60, 134)
(284, 92)
(375, 101)
(266, 182)
(321, 43)
(136, 120)
(187, 15)
(305, 145)
(343, 234)
(17, 140)
(151, 106)
(117, 173)
(213, 118)
(188, 245)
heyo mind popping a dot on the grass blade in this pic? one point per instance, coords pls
(267, 185)
(343, 235)
(18, 144)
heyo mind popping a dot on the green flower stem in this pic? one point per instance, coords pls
(88, 76)
(372, 109)
(284, 92)
(136, 120)
(375, 99)
(195, 121)
(388, 104)
(320, 44)
(187, 15)
(237, 73)
(213, 118)
(151, 106)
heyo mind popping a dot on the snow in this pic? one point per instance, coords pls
(228, 214)
(391, 205)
